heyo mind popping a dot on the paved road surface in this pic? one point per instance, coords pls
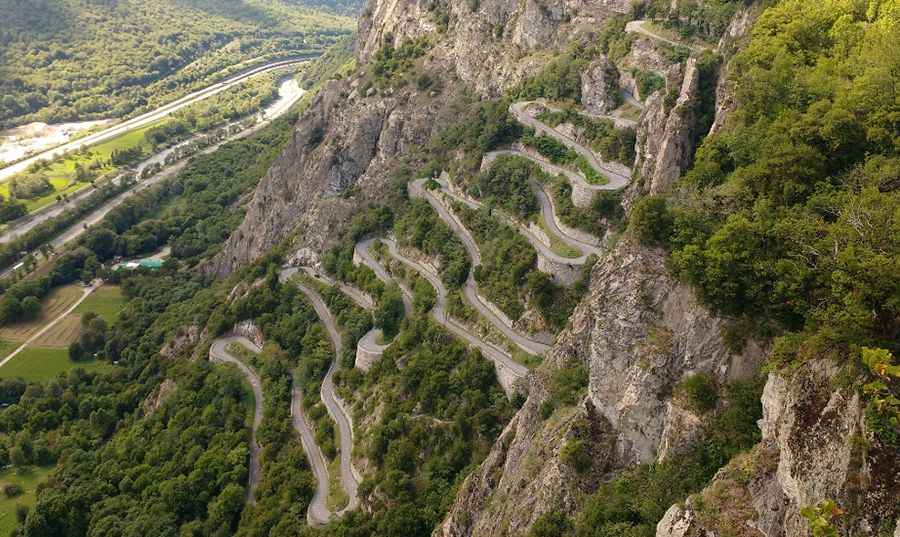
(87, 291)
(333, 403)
(76, 229)
(501, 359)
(470, 289)
(639, 27)
(289, 93)
(145, 119)
(618, 174)
(539, 245)
(318, 513)
(218, 352)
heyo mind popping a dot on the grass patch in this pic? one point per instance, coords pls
(28, 479)
(106, 302)
(6, 347)
(557, 246)
(52, 306)
(61, 334)
(337, 496)
(38, 364)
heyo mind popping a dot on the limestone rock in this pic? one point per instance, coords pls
(666, 133)
(812, 449)
(599, 88)
(638, 332)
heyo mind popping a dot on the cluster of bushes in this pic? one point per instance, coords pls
(91, 339)
(30, 186)
(421, 228)
(601, 134)
(438, 417)
(707, 19)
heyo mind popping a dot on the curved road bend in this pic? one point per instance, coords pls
(617, 174)
(147, 118)
(549, 215)
(333, 403)
(361, 249)
(470, 289)
(501, 359)
(369, 342)
(318, 513)
(538, 244)
(218, 352)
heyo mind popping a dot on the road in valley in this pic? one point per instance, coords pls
(147, 118)
(288, 95)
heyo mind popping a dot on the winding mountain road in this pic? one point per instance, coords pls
(540, 245)
(618, 175)
(218, 352)
(369, 342)
(508, 370)
(333, 403)
(147, 118)
(470, 288)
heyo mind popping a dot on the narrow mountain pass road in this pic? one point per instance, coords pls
(542, 248)
(218, 352)
(640, 27)
(333, 403)
(318, 513)
(618, 174)
(508, 370)
(470, 289)
(147, 118)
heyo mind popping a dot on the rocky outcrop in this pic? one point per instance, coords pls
(734, 36)
(666, 133)
(249, 330)
(599, 86)
(638, 332)
(814, 447)
(154, 401)
(184, 338)
(488, 43)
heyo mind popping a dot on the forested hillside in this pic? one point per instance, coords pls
(64, 60)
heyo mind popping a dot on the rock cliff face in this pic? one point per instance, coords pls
(489, 43)
(638, 333)
(600, 87)
(665, 135)
(814, 447)
(347, 142)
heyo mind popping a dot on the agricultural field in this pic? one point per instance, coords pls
(52, 306)
(105, 302)
(47, 356)
(28, 479)
(39, 364)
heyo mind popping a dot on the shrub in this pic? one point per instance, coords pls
(698, 392)
(575, 453)
(651, 221)
(11, 490)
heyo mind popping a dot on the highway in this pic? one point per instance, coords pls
(147, 118)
